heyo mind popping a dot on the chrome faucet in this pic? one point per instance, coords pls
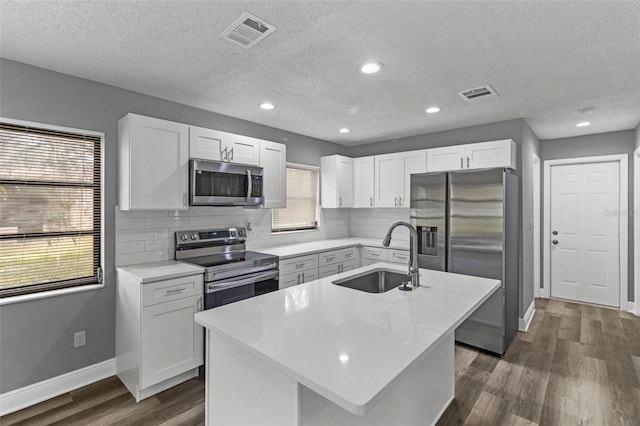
(414, 272)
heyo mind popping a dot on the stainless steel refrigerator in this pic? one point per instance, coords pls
(468, 223)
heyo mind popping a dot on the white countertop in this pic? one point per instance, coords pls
(292, 250)
(345, 344)
(156, 271)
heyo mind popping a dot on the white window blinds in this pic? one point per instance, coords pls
(302, 201)
(50, 209)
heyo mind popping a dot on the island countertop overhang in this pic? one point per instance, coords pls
(349, 346)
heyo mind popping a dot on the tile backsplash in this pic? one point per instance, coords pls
(148, 236)
(374, 223)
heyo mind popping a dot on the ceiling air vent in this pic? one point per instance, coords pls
(247, 30)
(478, 94)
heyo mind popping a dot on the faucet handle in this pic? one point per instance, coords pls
(405, 286)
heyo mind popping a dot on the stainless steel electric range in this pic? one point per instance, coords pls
(231, 272)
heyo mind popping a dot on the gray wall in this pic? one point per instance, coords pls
(519, 131)
(36, 338)
(637, 136)
(592, 145)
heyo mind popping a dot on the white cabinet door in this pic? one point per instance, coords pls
(172, 342)
(482, 155)
(289, 280)
(348, 266)
(336, 181)
(273, 161)
(310, 275)
(387, 176)
(205, 144)
(241, 149)
(446, 158)
(363, 178)
(412, 162)
(345, 181)
(154, 164)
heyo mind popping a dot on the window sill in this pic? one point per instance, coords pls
(297, 231)
(50, 293)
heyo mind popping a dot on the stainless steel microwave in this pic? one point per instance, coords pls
(215, 183)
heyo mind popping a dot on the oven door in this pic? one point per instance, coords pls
(214, 183)
(220, 293)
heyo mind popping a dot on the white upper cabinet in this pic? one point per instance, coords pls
(501, 153)
(387, 180)
(363, 178)
(336, 181)
(411, 162)
(209, 144)
(153, 164)
(393, 177)
(273, 157)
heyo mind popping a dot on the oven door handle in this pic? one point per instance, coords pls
(225, 285)
(249, 184)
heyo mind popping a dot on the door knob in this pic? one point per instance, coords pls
(555, 232)
(554, 242)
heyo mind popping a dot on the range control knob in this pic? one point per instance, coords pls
(184, 237)
(232, 233)
(194, 236)
(241, 232)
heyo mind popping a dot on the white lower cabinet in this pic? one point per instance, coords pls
(158, 343)
(337, 268)
(298, 270)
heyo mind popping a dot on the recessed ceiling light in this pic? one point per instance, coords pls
(370, 67)
(432, 110)
(344, 130)
(266, 105)
(583, 124)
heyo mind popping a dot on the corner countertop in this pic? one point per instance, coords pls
(157, 271)
(311, 247)
(346, 345)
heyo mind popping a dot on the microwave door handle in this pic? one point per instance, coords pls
(212, 288)
(249, 184)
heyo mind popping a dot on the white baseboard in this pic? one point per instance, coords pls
(524, 323)
(633, 308)
(32, 394)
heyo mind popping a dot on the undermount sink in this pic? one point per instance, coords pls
(376, 281)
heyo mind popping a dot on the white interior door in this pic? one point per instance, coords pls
(585, 253)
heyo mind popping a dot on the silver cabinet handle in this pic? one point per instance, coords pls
(184, 199)
(395, 201)
(467, 162)
(371, 201)
(461, 163)
(303, 277)
(298, 279)
(175, 290)
(340, 201)
(199, 304)
(231, 154)
(249, 182)
(400, 202)
(225, 155)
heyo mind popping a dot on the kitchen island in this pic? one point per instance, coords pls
(323, 354)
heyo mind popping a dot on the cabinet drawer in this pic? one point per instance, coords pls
(374, 253)
(298, 264)
(367, 262)
(349, 254)
(398, 256)
(167, 290)
(329, 257)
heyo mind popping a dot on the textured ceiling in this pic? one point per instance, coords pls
(546, 60)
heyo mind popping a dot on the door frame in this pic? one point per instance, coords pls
(636, 226)
(537, 196)
(623, 208)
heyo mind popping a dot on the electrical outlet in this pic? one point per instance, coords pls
(153, 238)
(79, 339)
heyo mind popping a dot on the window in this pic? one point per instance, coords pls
(50, 209)
(302, 200)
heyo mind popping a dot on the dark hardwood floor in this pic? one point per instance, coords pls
(577, 365)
